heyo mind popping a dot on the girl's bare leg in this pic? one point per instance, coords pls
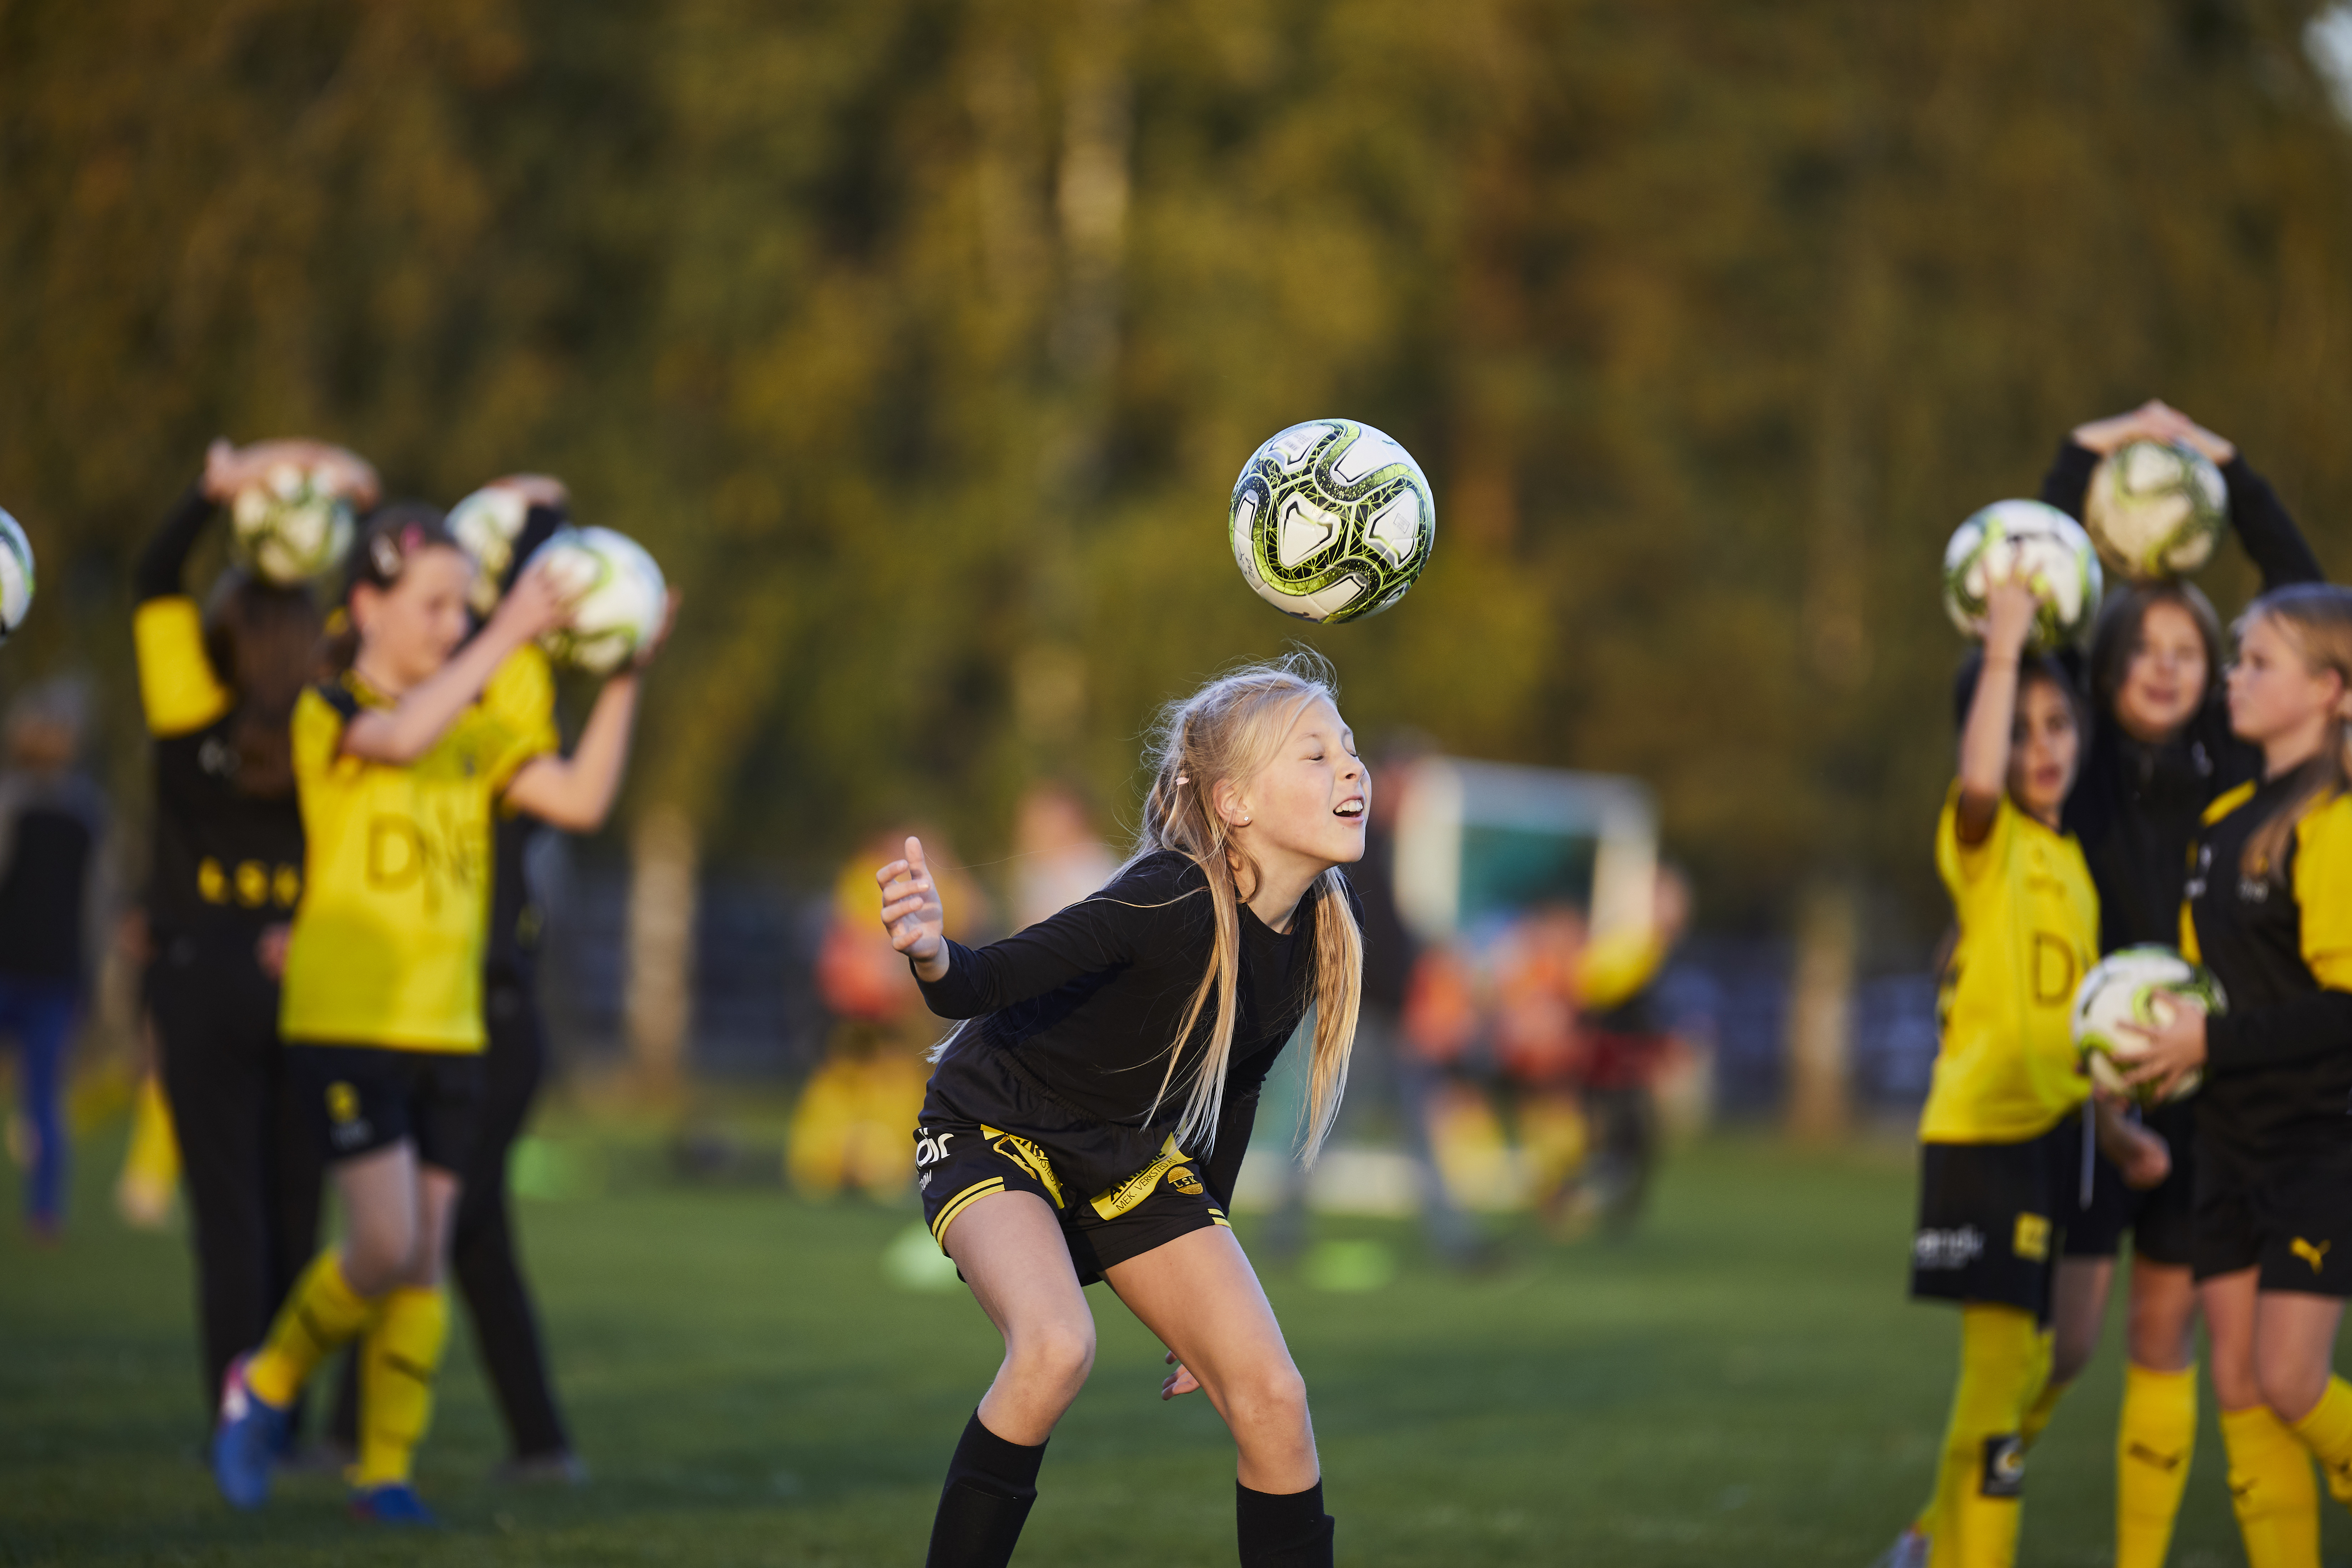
(1199, 1296)
(1010, 1248)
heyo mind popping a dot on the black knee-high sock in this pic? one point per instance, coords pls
(991, 1485)
(1283, 1530)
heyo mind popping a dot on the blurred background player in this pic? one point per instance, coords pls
(2006, 1080)
(400, 764)
(849, 1128)
(484, 1256)
(1057, 857)
(52, 887)
(218, 686)
(2269, 908)
(2158, 752)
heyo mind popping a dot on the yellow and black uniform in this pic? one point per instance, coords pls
(1050, 1089)
(228, 865)
(2274, 1121)
(384, 974)
(2006, 1076)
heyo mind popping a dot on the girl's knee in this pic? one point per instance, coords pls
(2292, 1392)
(1272, 1398)
(1055, 1354)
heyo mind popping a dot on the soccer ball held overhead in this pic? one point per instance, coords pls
(486, 524)
(2156, 510)
(1331, 520)
(16, 576)
(289, 526)
(2050, 551)
(616, 593)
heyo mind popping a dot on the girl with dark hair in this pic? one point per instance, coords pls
(2159, 752)
(2269, 907)
(218, 686)
(2005, 1083)
(400, 764)
(1089, 1117)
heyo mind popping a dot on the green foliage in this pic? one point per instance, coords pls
(922, 343)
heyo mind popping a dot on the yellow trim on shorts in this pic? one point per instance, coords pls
(1027, 1155)
(960, 1202)
(1117, 1200)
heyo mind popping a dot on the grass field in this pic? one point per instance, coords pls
(1741, 1383)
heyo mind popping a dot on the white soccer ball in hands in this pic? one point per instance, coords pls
(2014, 540)
(16, 576)
(615, 594)
(2156, 510)
(292, 524)
(1331, 520)
(2143, 986)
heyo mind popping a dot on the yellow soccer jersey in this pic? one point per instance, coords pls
(2029, 924)
(387, 946)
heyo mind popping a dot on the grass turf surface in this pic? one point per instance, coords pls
(1741, 1382)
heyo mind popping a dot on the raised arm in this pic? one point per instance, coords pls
(1095, 936)
(1993, 712)
(576, 792)
(406, 730)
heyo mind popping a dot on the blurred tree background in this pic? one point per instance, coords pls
(922, 343)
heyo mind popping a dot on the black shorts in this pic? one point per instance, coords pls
(360, 1099)
(986, 1131)
(2287, 1213)
(1989, 1226)
(2162, 1220)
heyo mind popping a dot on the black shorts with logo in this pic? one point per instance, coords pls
(987, 1129)
(2287, 1213)
(360, 1099)
(1989, 1226)
(2162, 1220)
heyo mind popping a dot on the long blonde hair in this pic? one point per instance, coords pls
(2315, 619)
(1231, 729)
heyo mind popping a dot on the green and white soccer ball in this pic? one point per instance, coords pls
(2156, 510)
(288, 526)
(1331, 520)
(2010, 538)
(2139, 986)
(487, 523)
(615, 593)
(16, 576)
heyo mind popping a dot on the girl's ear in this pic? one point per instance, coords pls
(1228, 802)
(362, 606)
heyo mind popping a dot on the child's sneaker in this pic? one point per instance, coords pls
(246, 1440)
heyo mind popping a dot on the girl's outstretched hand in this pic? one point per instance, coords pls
(911, 913)
(1179, 1382)
(534, 604)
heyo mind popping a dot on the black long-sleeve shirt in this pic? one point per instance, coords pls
(2279, 1061)
(227, 861)
(1085, 1006)
(2136, 806)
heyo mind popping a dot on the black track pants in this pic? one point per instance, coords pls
(250, 1169)
(483, 1258)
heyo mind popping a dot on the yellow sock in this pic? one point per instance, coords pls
(2155, 1439)
(2272, 1491)
(2045, 1403)
(2327, 1433)
(397, 1361)
(323, 1311)
(1974, 1518)
(150, 1167)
